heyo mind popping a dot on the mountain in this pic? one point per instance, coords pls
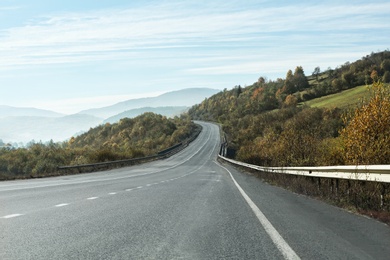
(165, 111)
(6, 111)
(26, 124)
(185, 97)
(38, 128)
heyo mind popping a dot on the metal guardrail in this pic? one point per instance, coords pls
(377, 173)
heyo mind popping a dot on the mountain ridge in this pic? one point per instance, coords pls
(18, 124)
(184, 97)
(7, 111)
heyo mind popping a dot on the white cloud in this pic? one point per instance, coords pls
(119, 34)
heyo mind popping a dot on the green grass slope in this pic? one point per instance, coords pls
(345, 99)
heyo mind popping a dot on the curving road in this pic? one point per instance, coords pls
(186, 207)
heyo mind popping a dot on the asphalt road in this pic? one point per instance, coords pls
(184, 207)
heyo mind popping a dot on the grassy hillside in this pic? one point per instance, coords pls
(266, 124)
(345, 99)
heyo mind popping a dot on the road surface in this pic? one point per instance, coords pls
(189, 206)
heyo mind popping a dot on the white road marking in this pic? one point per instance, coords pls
(278, 240)
(139, 187)
(129, 189)
(92, 198)
(61, 205)
(112, 193)
(12, 216)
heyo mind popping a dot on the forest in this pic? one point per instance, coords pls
(130, 138)
(268, 124)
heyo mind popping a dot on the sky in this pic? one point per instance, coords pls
(70, 55)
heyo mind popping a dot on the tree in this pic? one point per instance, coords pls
(238, 90)
(366, 136)
(300, 80)
(337, 85)
(386, 77)
(289, 86)
(316, 72)
(349, 79)
(374, 75)
(385, 65)
(291, 101)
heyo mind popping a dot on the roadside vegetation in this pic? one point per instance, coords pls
(268, 123)
(130, 138)
(335, 117)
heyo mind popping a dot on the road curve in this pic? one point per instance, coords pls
(188, 206)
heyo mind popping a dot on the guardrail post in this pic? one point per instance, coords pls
(331, 186)
(383, 193)
(348, 190)
(319, 184)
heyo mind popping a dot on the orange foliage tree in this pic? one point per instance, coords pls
(366, 136)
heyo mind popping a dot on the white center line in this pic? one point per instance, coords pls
(92, 198)
(62, 205)
(112, 193)
(12, 216)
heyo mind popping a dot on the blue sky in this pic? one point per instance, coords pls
(71, 55)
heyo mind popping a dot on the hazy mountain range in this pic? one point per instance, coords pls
(26, 124)
(6, 111)
(186, 97)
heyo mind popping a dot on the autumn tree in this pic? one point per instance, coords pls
(366, 136)
(291, 100)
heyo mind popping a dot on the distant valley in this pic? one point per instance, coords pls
(22, 125)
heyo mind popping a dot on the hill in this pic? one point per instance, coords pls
(184, 97)
(165, 111)
(265, 125)
(141, 136)
(22, 125)
(7, 111)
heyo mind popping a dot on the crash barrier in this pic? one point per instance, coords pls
(364, 186)
(378, 173)
(127, 162)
